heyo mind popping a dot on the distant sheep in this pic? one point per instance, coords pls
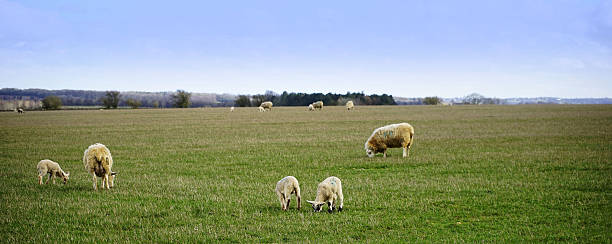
(20, 110)
(261, 109)
(390, 136)
(98, 162)
(232, 109)
(53, 169)
(266, 105)
(327, 192)
(284, 188)
(318, 104)
(350, 105)
(310, 107)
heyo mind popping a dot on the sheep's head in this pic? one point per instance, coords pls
(316, 206)
(66, 177)
(370, 152)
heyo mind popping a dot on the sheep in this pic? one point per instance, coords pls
(98, 162)
(327, 192)
(390, 136)
(318, 104)
(310, 107)
(51, 168)
(350, 105)
(232, 109)
(284, 188)
(261, 109)
(20, 110)
(266, 105)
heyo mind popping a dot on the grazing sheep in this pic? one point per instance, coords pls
(98, 162)
(261, 109)
(266, 105)
(318, 104)
(390, 136)
(51, 168)
(20, 110)
(350, 105)
(310, 107)
(232, 109)
(327, 192)
(284, 188)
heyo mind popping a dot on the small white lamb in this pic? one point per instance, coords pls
(327, 192)
(51, 168)
(232, 109)
(310, 107)
(284, 188)
(261, 109)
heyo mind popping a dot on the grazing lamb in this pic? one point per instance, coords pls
(327, 192)
(266, 105)
(20, 110)
(350, 105)
(318, 104)
(232, 109)
(310, 107)
(98, 162)
(51, 168)
(261, 109)
(284, 188)
(390, 136)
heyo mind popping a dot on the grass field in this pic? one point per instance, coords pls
(494, 173)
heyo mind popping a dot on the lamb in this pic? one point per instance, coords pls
(310, 107)
(232, 109)
(284, 188)
(390, 136)
(266, 105)
(261, 109)
(98, 162)
(51, 168)
(318, 104)
(327, 192)
(350, 105)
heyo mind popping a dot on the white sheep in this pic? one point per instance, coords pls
(310, 107)
(232, 109)
(327, 192)
(390, 136)
(51, 168)
(350, 105)
(318, 104)
(284, 188)
(98, 162)
(266, 105)
(260, 109)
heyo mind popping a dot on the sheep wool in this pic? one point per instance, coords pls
(284, 188)
(390, 136)
(350, 105)
(328, 191)
(318, 104)
(98, 162)
(52, 169)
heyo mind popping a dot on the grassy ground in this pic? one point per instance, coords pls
(494, 173)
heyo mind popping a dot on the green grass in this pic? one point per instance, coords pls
(533, 173)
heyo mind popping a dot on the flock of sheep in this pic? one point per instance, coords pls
(98, 162)
(267, 106)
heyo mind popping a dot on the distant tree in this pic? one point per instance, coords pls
(111, 100)
(51, 103)
(133, 103)
(474, 98)
(432, 100)
(258, 99)
(242, 101)
(181, 99)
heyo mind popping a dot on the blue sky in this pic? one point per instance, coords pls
(404, 48)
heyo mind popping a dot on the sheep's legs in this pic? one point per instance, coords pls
(48, 178)
(106, 179)
(299, 202)
(341, 199)
(385, 154)
(405, 154)
(281, 198)
(288, 201)
(95, 182)
(40, 179)
(330, 207)
(53, 177)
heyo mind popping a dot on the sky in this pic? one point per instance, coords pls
(502, 48)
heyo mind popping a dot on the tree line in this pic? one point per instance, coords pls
(303, 99)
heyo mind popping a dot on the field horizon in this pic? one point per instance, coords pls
(520, 173)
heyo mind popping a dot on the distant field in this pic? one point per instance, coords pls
(495, 173)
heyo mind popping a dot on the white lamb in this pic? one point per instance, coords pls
(318, 104)
(267, 105)
(310, 107)
(284, 188)
(350, 105)
(261, 109)
(98, 162)
(232, 109)
(327, 192)
(51, 168)
(390, 136)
